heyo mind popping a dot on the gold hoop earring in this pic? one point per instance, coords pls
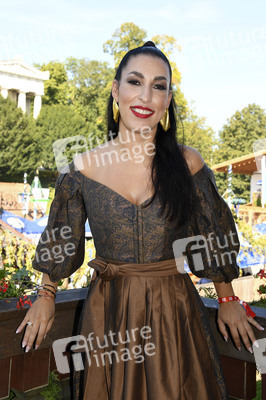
(115, 110)
(165, 122)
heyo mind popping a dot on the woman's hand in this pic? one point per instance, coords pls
(234, 315)
(41, 315)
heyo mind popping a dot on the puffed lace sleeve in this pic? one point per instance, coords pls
(61, 247)
(214, 245)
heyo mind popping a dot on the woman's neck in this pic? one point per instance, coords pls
(139, 144)
(128, 139)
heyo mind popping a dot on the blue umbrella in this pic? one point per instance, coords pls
(87, 229)
(21, 224)
(246, 259)
(261, 227)
(42, 222)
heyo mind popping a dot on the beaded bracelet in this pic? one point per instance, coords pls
(46, 296)
(42, 287)
(45, 291)
(46, 284)
(249, 312)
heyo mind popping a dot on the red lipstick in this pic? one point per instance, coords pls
(142, 112)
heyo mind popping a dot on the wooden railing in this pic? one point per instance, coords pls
(27, 373)
(239, 366)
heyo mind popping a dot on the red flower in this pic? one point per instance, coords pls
(23, 300)
(262, 274)
(4, 286)
(20, 303)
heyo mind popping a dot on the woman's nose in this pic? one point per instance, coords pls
(145, 95)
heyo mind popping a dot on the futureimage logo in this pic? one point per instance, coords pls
(260, 355)
(114, 347)
(67, 148)
(197, 251)
(63, 245)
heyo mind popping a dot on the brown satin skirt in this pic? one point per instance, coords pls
(148, 336)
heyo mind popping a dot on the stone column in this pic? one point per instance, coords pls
(4, 93)
(37, 105)
(27, 104)
(22, 101)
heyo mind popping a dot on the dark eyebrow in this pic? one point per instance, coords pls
(157, 78)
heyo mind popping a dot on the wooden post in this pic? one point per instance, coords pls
(263, 386)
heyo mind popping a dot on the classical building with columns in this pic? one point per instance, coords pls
(21, 82)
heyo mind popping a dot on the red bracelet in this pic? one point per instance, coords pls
(226, 299)
(249, 312)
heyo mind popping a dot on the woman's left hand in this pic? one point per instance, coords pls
(234, 315)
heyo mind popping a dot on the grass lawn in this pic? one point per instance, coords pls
(258, 303)
(258, 387)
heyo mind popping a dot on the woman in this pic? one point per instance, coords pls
(146, 328)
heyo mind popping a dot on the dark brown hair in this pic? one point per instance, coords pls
(170, 174)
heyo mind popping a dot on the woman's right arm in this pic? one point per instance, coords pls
(59, 253)
(41, 315)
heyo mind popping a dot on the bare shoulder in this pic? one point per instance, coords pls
(81, 161)
(88, 162)
(193, 158)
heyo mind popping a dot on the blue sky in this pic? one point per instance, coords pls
(223, 43)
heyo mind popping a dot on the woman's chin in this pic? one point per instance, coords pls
(143, 128)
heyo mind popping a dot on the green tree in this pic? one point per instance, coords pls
(236, 139)
(91, 84)
(125, 38)
(199, 136)
(19, 147)
(241, 131)
(56, 88)
(58, 122)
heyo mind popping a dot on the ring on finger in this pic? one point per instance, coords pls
(30, 323)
